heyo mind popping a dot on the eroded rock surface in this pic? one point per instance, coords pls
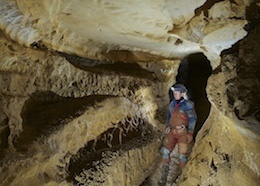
(106, 29)
(231, 155)
(84, 90)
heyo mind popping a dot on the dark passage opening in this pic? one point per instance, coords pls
(46, 112)
(102, 67)
(4, 133)
(193, 72)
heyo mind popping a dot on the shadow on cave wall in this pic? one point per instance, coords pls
(194, 72)
(4, 133)
(91, 156)
(102, 67)
(46, 112)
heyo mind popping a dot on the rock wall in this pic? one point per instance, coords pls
(227, 147)
(84, 90)
(44, 148)
(226, 153)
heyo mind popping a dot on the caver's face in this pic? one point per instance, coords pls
(177, 95)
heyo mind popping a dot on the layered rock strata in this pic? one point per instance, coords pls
(30, 89)
(84, 90)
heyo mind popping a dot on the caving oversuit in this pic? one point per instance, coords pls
(180, 124)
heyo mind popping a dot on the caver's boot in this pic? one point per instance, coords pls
(165, 171)
(174, 176)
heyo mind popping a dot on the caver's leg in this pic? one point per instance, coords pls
(168, 145)
(183, 150)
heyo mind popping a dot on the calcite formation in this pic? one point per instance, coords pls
(84, 90)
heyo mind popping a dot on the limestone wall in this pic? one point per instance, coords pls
(84, 90)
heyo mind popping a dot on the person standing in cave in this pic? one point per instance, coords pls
(179, 128)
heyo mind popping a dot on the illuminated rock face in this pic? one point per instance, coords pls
(84, 90)
(227, 147)
(99, 29)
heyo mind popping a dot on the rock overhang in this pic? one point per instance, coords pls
(148, 30)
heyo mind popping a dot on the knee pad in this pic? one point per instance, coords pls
(183, 157)
(165, 153)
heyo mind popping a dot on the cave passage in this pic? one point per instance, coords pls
(46, 112)
(193, 72)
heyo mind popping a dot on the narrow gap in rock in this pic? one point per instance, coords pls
(206, 6)
(122, 137)
(193, 72)
(104, 67)
(46, 112)
(4, 133)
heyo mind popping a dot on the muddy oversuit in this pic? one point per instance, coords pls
(179, 127)
(178, 134)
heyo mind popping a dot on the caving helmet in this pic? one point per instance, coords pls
(179, 87)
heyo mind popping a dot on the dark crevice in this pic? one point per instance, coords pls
(253, 16)
(4, 133)
(194, 72)
(93, 152)
(103, 67)
(242, 61)
(213, 166)
(46, 112)
(206, 6)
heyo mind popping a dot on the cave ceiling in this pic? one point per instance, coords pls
(114, 30)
